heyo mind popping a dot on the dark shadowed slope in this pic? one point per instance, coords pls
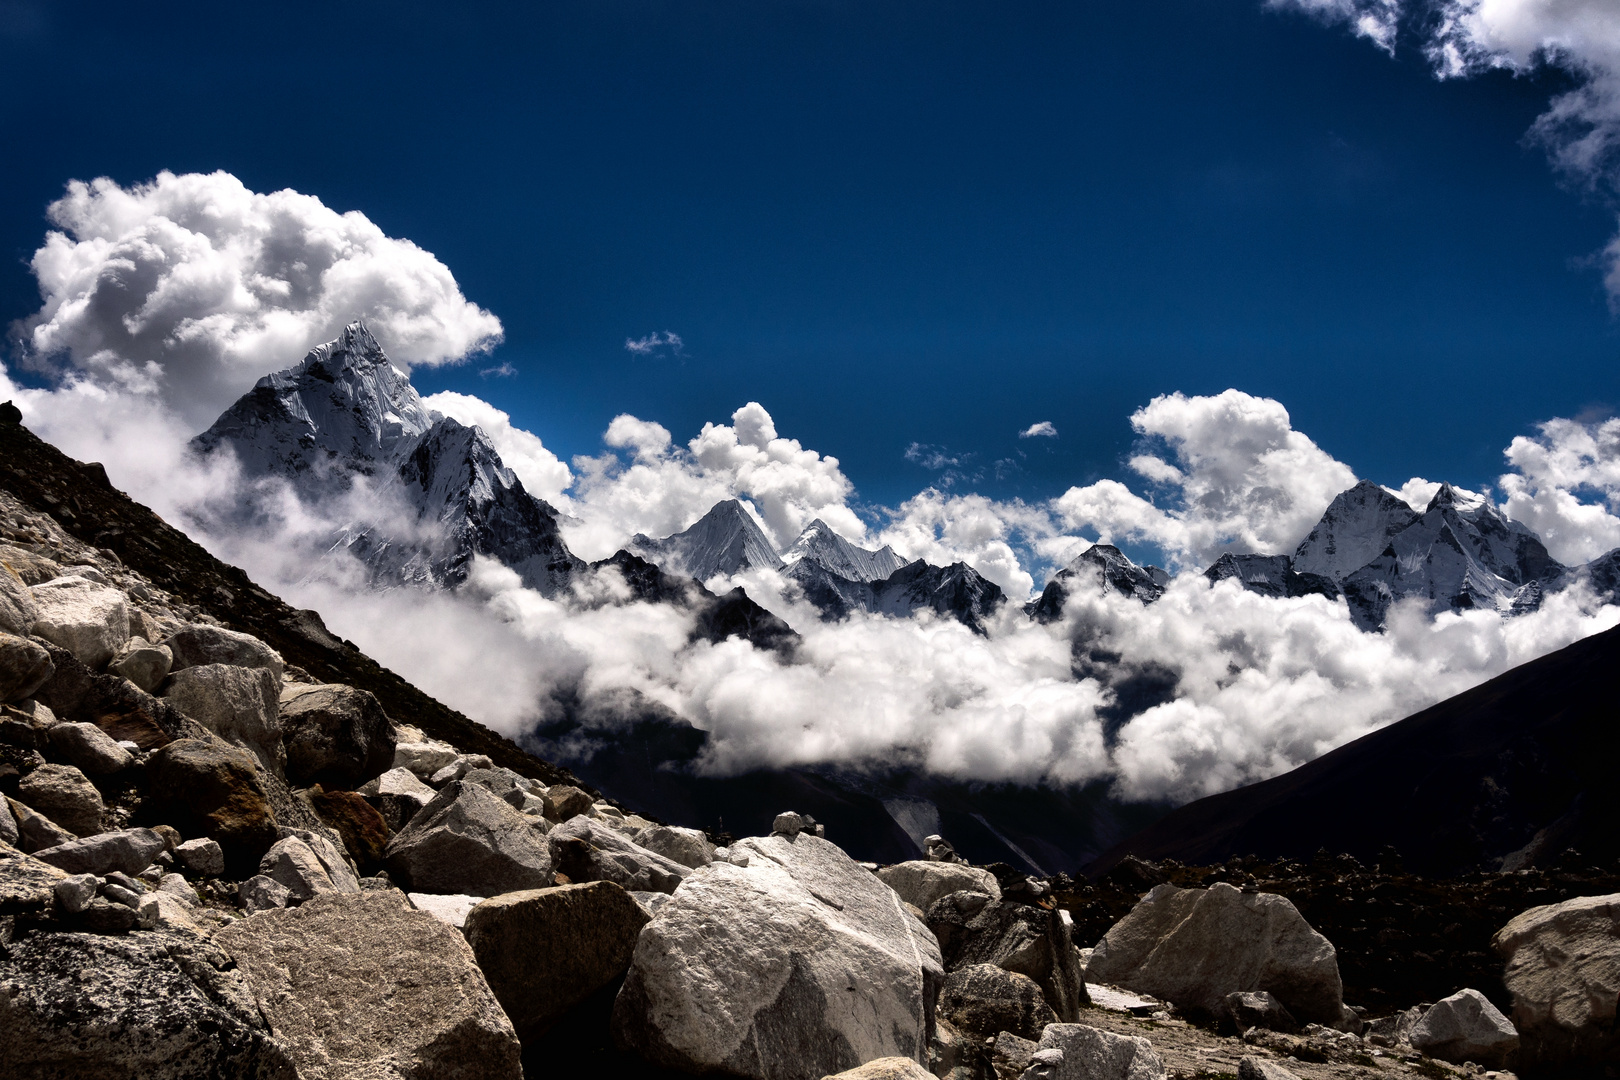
(1518, 769)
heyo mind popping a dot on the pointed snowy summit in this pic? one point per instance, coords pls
(819, 544)
(727, 540)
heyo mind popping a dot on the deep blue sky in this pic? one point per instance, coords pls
(887, 221)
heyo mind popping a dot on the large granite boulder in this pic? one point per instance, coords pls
(398, 795)
(1089, 1053)
(9, 833)
(1025, 938)
(157, 1006)
(798, 965)
(89, 620)
(468, 841)
(363, 985)
(142, 663)
(982, 1000)
(689, 847)
(238, 704)
(65, 795)
(35, 831)
(335, 735)
(208, 789)
(26, 884)
(198, 644)
(17, 608)
(25, 666)
(1193, 947)
(545, 950)
(1465, 1027)
(88, 748)
(583, 849)
(921, 882)
(125, 852)
(1563, 970)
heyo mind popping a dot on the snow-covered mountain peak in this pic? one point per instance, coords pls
(726, 540)
(820, 544)
(1356, 528)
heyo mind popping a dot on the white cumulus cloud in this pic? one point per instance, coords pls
(1043, 430)
(543, 475)
(192, 287)
(1552, 473)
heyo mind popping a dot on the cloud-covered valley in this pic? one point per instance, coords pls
(162, 304)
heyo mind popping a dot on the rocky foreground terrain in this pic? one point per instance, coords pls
(230, 846)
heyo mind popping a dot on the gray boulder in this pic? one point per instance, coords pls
(546, 950)
(1563, 970)
(142, 663)
(90, 621)
(1258, 1009)
(799, 965)
(452, 909)
(983, 999)
(35, 831)
(1092, 1054)
(26, 883)
(363, 985)
(468, 841)
(197, 645)
(212, 790)
(886, 1068)
(565, 802)
(65, 795)
(1257, 1068)
(8, 823)
(75, 891)
(17, 608)
(423, 757)
(159, 1006)
(89, 749)
(261, 893)
(126, 852)
(1193, 947)
(397, 795)
(291, 863)
(923, 881)
(583, 849)
(1465, 1027)
(201, 857)
(335, 736)
(25, 666)
(1025, 938)
(239, 704)
(689, 847)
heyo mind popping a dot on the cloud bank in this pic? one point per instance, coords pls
(1257, 685)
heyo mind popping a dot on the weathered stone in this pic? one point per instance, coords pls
(198, 645)
(26, 883)
(1091, 1054)
(90, 621)
(260, 893)
(328, 977)
(789, 824)
(35, 831)
(886, 1068)
(1256, 1068)
(501, 783)
(689, 847)
(206, 789)
(1393, 1031)
(364, 832)
(799, 965)
(651, 901)
(25, 666)
(397, 795)
(1256, 1008)
(142, 663)
(165, 911)
(461, 766)
(982, 999)
(75, 891)
(468, 841)
(1031, 940)
(177, 885)
(425, 757)
(1193, 947)
(1563, 970)
(565, 802)
(333, 859)
(546, 950)
(105, 916)
(1465, 1027)
(8, 823)
(291, 863)
(89, 749)
(238, 704)
(129, 851)
(1010, 1055)
(201, 857)
(587, 850)
(452, 909)
(335, 736)
(17, 608)
(921, 882)
(65, 795)
(159, 1007)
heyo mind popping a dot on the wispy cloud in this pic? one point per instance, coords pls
(656, 344)
(499, 371)
(1043, 430)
